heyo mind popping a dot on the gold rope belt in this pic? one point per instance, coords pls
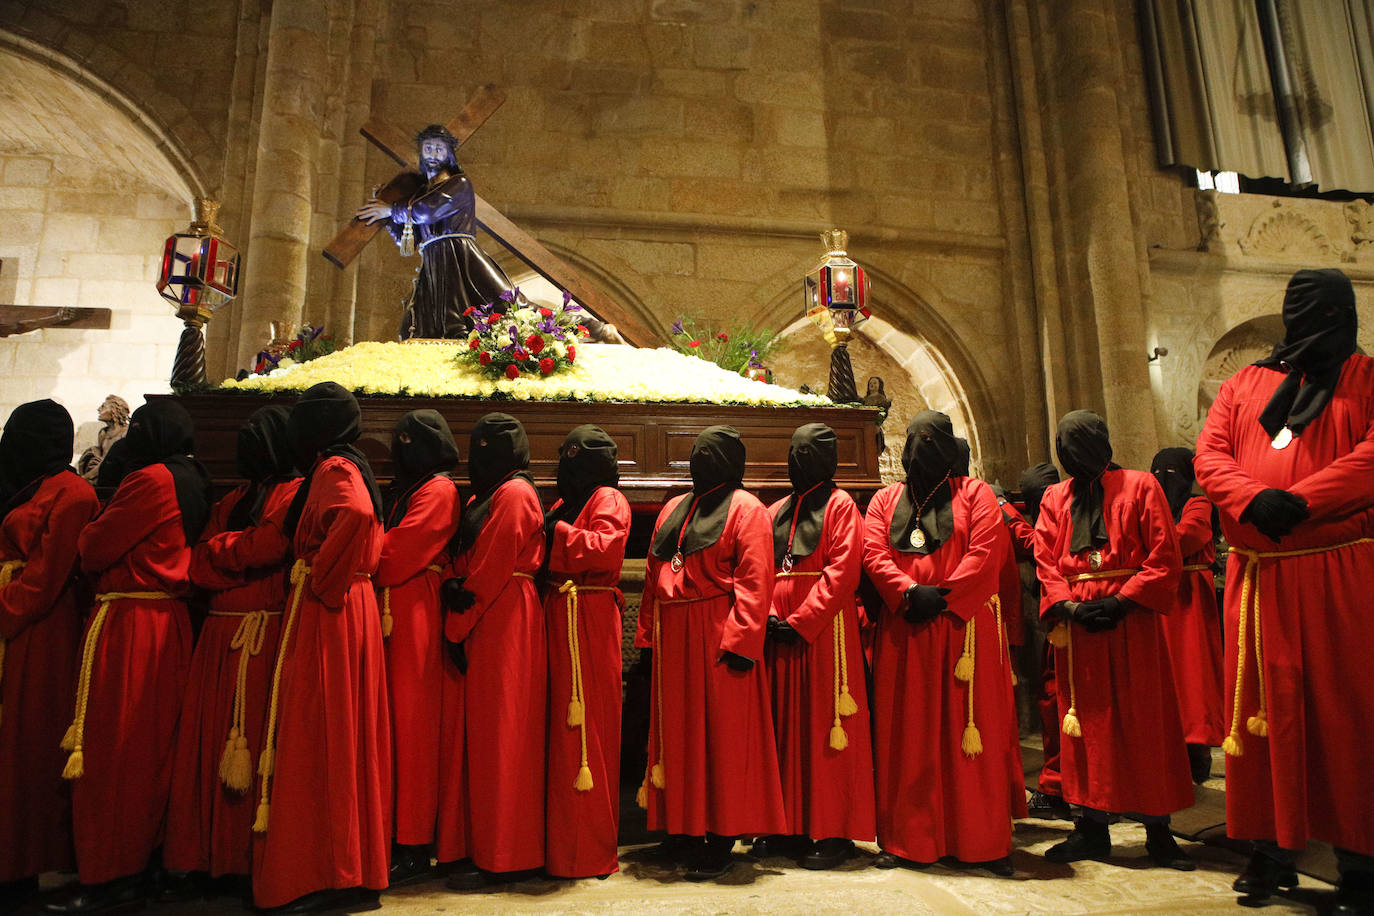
(1198, 567)
(844, 700)
(577, 702)
(236, 763)
(387, 621)
(1061, 637)
(7, 571)
(1258, 724)
(300, 573)
(76, 732)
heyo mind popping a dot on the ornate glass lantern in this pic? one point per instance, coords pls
(835, 298)
(200, 272)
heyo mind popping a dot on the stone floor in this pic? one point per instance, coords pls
(1124, 885)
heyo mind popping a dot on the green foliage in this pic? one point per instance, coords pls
(736, 348)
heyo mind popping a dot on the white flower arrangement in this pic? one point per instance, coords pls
(601, 373)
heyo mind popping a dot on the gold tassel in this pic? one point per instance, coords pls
(408, 241)
(1232, 746)
(226, 759)
(1058, 636)
(266, 761)
(972, 743)
(239, 775)
(838, 739)
(575, 713)
(963, 669)
(847, 705)
(264, 815)
(69, 739)
(387, 620)
(583, 783)
(76, 765)
(300, 574)
(656, 776)
(1258, 725)
(642, 796)
(1071, 726)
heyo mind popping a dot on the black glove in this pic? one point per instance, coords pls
(736, 662)
(1063, 610)
(924, 602)
(1275, 512)
(457, 654)
(455, 597)
(1101, 614)
(782, 631)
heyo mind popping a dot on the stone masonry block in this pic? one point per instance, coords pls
(722, 47)
(12, 198)
(792, 126)
(776, 87)
(687, 159)
(27, 171)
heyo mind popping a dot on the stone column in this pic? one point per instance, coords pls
(293, 91)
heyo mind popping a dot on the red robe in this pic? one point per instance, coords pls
(1130, 757)
(414, 553)
(582, 825)
(209, 826)
(711, 727)
(826, 792)
(41, 627)
(138, 678)
(491, 805)
(934, 799)
(1046, 696)
(1193, 630)
(1309, 777)
(330, 791)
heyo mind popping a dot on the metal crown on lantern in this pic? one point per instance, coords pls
(835, 298)
(200, 272)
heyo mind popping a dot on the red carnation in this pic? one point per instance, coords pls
(582, 330)
(693, 344)
(493, 318)
(469, 310)
(722, 337)
(474, 344)
(484, 358)
(546, 313)
(512, 372)
(535, 343)
(521, 354)
(293, 346)
(572, 353)
(546, 365)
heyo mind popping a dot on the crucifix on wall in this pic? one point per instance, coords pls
(431, 209)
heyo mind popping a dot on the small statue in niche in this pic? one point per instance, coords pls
(876, 396)
(114, 414)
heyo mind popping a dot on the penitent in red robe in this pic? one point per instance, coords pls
(330, 791)
(934, 799)
(414, 554)
(1310, 777)
(491, 803)
(826, 792)
(138, 678)
(41, 627)
(1046, 692)
(711, 728)
(209, 826)
(1193, 630)
(582, 825)
(1131, 756)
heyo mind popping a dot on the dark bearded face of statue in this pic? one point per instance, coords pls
(435, 156)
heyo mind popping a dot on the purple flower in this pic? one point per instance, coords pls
(571, 307)
(558, 334)
(567, 297)
(514, 335)
(316, 331)
(510, 294)
(677, 327)
(547, 326)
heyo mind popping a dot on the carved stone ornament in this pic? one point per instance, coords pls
(1360, 215)
(1289, 236)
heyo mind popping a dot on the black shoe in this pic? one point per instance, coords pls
(128, 891)
(464, 875)
(409, 864)
(1163, 850)
(677, 849)
(14, 894)
(1002, 867)
(826, 854)
(1089, 840)
(778, 846)
(1047, 807)
(1263, 875)
(888, 860)
(178, 886)
(712, 860)
(1200, 762)
(318, 902)
(1355, 895)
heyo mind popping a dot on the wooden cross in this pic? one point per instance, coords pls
(20, 319)
(350, 241)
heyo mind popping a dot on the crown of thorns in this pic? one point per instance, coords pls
(437, 132)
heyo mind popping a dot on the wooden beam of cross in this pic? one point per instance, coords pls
(349, 243)
(20, 319)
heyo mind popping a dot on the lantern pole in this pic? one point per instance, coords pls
(836, 301)
(197, 280)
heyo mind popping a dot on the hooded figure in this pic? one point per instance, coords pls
(422, 509)
(1085, 451)
(492, 804)
(1296, 507)
(161, 432)
(705, 611)
(923, 519)
(824, 745)
(1173, 468)
(1033, 482)
(962, 462)
(263, 458)
(586, 534)
(41, 516)
(324, 423)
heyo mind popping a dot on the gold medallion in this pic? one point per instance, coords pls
(677, 562)
(1282, 438)
(1095, 560)
(918, 538)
